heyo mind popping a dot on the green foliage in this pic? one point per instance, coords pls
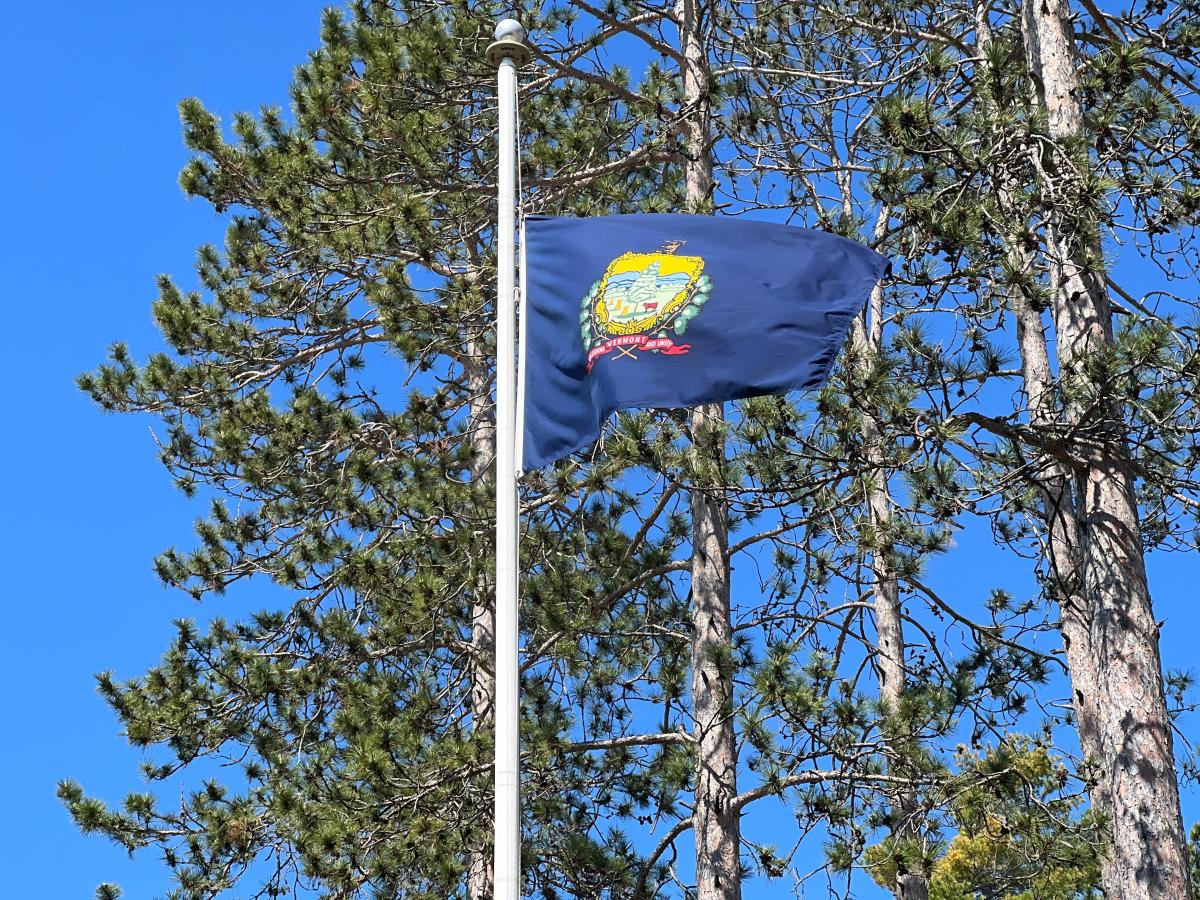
(326, 392)
(1018, 833)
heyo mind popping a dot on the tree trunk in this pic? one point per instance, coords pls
(483, 611)
(867, 338)
(1110, 632)
(715, 820)
(714, 817)
(889, 616)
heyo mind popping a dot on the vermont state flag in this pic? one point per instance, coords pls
(675, 310)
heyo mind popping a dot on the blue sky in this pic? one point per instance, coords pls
(93, 212)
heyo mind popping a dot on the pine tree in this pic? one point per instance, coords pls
(1052, 159)
(809, 131)
(349, 711)
(1018, 832)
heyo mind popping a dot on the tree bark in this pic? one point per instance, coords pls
(889, 616)
(483, 611)
(1108, 624)
(715, 817)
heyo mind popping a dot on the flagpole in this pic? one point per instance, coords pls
(507, 53)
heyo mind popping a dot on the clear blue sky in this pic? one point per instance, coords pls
(92, 212)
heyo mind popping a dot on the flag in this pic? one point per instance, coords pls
(673, 311)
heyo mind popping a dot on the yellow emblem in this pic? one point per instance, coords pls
(639, 297)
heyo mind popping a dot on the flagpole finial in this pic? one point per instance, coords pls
(509, 44)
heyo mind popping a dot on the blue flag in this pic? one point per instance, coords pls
(675, 310)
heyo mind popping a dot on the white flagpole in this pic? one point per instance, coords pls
(507, 53)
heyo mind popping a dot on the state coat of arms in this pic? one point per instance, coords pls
(640, 300)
